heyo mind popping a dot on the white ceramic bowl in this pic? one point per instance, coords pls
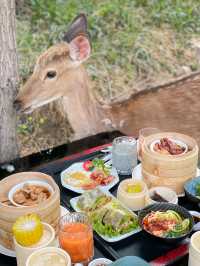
(165, 192)
(178, 142)
(134, 201)
(100, 260)
(20, 186)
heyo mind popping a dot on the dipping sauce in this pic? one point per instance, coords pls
(157, 197)
(77, 240)
(161, 194)
(134, 188)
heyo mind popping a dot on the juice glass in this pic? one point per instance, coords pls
(76, 237)
(143, 133)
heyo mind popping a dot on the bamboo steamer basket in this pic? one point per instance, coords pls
(48, 211)
(169, 170)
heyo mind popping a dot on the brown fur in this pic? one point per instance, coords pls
(173, 106)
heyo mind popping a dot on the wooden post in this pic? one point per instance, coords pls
(8, 81)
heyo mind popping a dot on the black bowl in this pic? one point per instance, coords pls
(184, 213)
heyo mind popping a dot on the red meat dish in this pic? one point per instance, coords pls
(166, 146)
(101, 178)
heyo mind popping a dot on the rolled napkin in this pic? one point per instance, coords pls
(130, 261)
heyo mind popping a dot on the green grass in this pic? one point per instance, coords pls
(123, 33)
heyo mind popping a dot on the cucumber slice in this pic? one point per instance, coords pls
(174, 215)
(181, 228)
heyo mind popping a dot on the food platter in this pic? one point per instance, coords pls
(97, 211)
(11, 253)
(78, 168)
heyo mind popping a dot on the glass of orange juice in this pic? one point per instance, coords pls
(76, 237)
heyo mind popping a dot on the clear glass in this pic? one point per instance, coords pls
(143, 133)
(124, 154)
(76, 237)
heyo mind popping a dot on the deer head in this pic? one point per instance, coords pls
(55, 72)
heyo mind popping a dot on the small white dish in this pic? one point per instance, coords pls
(78, 167)
(99, 261)
(113, 239)
(168, 194)
(20, 186)
(137, 175)
(11, 253)
(178, 142)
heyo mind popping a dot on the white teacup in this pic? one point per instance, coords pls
(47, 256)
(194, 250)
(22, 253)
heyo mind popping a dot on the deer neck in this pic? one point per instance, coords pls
(79, 105)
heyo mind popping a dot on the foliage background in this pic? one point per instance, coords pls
(135, 44)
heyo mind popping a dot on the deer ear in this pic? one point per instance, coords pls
(77, 27)
(79, 48)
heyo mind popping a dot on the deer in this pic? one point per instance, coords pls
(59, 73)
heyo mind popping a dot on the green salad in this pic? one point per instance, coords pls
(113, 220)
(108, 217)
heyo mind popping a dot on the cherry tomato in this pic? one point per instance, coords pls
(88, 165)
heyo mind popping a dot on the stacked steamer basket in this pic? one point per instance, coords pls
(169, 170)
(48, 210)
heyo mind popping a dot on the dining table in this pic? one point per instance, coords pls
(54, 161)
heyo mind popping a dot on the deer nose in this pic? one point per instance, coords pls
(17, 105)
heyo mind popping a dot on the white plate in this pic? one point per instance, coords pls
(137, 174)
(73, 203)
(11, 253)
(79, 167)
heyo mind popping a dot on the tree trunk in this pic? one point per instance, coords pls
(8, 81)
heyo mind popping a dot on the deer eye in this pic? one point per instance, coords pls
(51, 74)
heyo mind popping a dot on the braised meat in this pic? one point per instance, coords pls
(167, 146)
(31, 195)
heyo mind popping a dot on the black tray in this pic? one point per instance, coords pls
(141, 245)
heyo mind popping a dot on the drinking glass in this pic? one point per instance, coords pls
(76, 237)
(143, 133)
(124, 154)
